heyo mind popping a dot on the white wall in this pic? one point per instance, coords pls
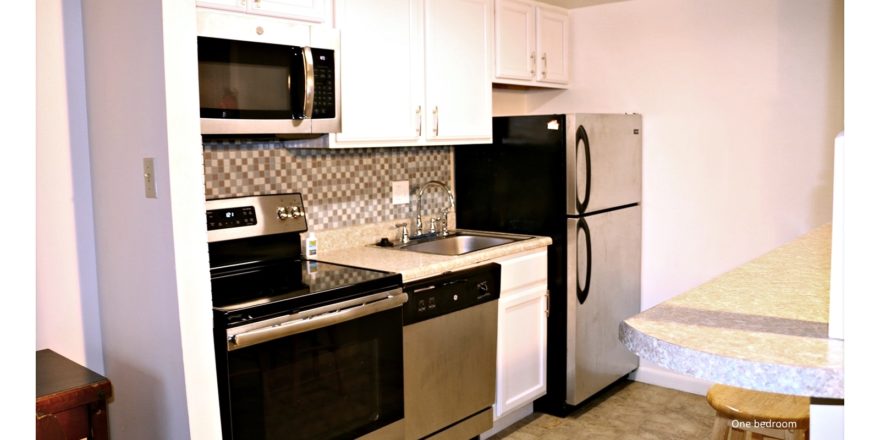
(189, 225)
(18, 176)
(508, 102)
(68, 320)
(741, 102)
(860, 217)
(152, 256)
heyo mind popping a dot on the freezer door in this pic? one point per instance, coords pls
(604, 288)
(603, 161)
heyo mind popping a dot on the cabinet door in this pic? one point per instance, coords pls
(381, 85)
(552, 45)
(458, 71)
(515, 56)
(522, 347)
(308, 10)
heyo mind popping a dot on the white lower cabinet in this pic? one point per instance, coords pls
(522, 331)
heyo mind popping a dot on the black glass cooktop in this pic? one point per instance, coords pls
(260, 290)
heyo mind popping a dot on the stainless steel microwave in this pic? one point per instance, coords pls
(264, 75)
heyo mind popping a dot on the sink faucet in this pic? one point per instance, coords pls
(445, 210)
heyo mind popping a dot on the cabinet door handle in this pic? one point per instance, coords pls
(244, 3)
(547, 300)
(533, 62)
(419, 121)
(544, 60)
(258, 3)
(436, 121)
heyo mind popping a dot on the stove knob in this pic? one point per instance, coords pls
(283, 213)
(293, 212)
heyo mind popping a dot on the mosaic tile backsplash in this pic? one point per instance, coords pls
(340, 188)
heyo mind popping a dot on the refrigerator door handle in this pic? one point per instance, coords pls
(584, 172)
(584, 290)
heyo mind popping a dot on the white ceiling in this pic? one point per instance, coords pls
(573, 4)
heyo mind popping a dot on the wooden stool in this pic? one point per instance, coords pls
(742, 413)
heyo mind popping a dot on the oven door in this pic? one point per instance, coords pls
(314, 375)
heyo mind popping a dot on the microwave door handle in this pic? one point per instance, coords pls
(309, 65)
(296, 82)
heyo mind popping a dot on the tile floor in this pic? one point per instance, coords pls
(627, 411)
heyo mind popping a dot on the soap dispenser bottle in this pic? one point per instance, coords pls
(311, 252)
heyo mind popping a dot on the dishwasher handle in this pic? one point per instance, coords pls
(303, 322)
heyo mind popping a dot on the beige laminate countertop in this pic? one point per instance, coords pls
(416, 265)
(763, 325)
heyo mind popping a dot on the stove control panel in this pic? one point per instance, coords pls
(231, 217)
(242, 217)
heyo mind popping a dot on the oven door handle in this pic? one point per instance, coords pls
(300, 325)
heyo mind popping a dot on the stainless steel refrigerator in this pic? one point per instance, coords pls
(578, 179)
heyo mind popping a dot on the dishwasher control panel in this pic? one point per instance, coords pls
(451, 292)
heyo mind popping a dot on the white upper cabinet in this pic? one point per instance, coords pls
(316, 11)
(552, 45)
(415, 72)
(531, 44)
(515, 28)
(382, 89)
(458, 70)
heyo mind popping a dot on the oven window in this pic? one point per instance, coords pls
(341, 381)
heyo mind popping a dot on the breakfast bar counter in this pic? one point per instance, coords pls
(762, 326)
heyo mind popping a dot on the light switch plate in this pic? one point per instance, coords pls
(400, 192)
(149, 178)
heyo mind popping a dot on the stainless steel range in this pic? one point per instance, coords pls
(305, 349)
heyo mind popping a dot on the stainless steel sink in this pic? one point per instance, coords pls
(459, 243)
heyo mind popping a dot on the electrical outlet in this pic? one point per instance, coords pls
(400, 192)
(149, 178)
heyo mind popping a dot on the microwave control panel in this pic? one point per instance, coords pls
(325, 77)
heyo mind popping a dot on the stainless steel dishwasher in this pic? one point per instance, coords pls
(449, 344)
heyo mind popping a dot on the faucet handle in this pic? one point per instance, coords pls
(404, 234)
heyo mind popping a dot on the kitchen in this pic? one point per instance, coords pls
(716, 182)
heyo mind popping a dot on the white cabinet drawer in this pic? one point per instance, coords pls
(523, 269)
